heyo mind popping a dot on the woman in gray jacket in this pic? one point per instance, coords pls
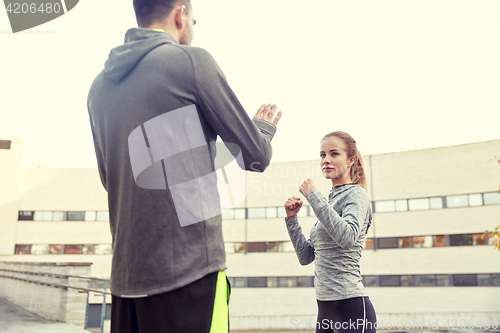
(336, 239)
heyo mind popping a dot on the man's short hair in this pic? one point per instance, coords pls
(148, 12)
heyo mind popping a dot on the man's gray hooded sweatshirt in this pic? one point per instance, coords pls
(138, 108)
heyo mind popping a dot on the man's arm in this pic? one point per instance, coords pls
(99, 156)
(226, 115)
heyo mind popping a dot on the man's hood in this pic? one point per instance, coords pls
(138, 42)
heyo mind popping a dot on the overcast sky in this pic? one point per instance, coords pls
(397, 75)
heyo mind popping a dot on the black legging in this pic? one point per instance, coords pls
(346, 316)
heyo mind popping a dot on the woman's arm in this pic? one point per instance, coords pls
(304, 248)
(343, 229)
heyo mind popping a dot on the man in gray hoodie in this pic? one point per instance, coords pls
(155, 112)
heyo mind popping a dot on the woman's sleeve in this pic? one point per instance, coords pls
(304, 248)
(343, 229)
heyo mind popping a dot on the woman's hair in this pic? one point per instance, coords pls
(357, 171)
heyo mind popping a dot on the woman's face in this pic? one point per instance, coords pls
(333, 158)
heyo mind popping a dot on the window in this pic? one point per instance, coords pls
(422, 241)
(73, 249)
(305, 281)
(256, 213)
(419, 204)
(464, 280)
(406, 280)
(286, 246)
(272, 282)
(239, 247)
(483, 280)
(385, 206)
(228, 214)
(103, 216)
(369, 280)
(90, 216)
(257, 282)
(25, 216)
(87, 249)
(453, 201)
(57, 216)
(495, 280)
(271, 212)
(237, 282)
(103, 249)
(287, 281)
(5, 144)
(76, 216)
(492, 198)
(40, 249)
(475, 199)
(425, 280)
(281, 212)
(436, 203)
(478, 239)
(304, 211)
(387, 243)
(271, 246)
(55, 249)
(42, 216)
(230, 248)
(442, 280)
(22, 249)
(368, 243)
(401, 205)
(390, 280)
(257, 247)
(439, 240)
(404, 242)
(460, 240)
(239, 214)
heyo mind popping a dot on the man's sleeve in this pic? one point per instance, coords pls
(226, 115)
(99, 156)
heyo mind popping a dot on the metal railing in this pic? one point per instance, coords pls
(104, 283)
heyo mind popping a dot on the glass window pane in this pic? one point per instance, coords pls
(385, 206)
(286, 246)
(305, 281)
(46, 216)
(88, 249)
(425, 280)
(303, 211)
(492, 198)
(483, 280)
(271, 212)
(388, 243)
(390, 280)
(404, 242)
(58, 216)
(257, 247)
(475, 199)
(495, 280)
(422, 241)
(406, 280)
(368, 243)
(40, 249)
(419, 204)
(23, 249)
(436, 203)
(238, 282)
(228, 214)
(26, 216)
(76, 216)
(401, 205)
(271, 246)
(103, 249)
(272, 282)
(55, 249)
(439, 240)
(239, 247)
(442, 280)
(257, 213)
(463, 280)
(73, 249)
(103, 216)
(369, 281)
(281, 212)
(37, 216)
(478, 239)
(229, 247)
(453, 201)
(90, 216)
(461, 240)
(257, 282)
(287, 282)
(239, 213)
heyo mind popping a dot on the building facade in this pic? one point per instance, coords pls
(426, 262)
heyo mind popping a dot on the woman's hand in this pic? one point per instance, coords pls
(292, 206)
(307, 187)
